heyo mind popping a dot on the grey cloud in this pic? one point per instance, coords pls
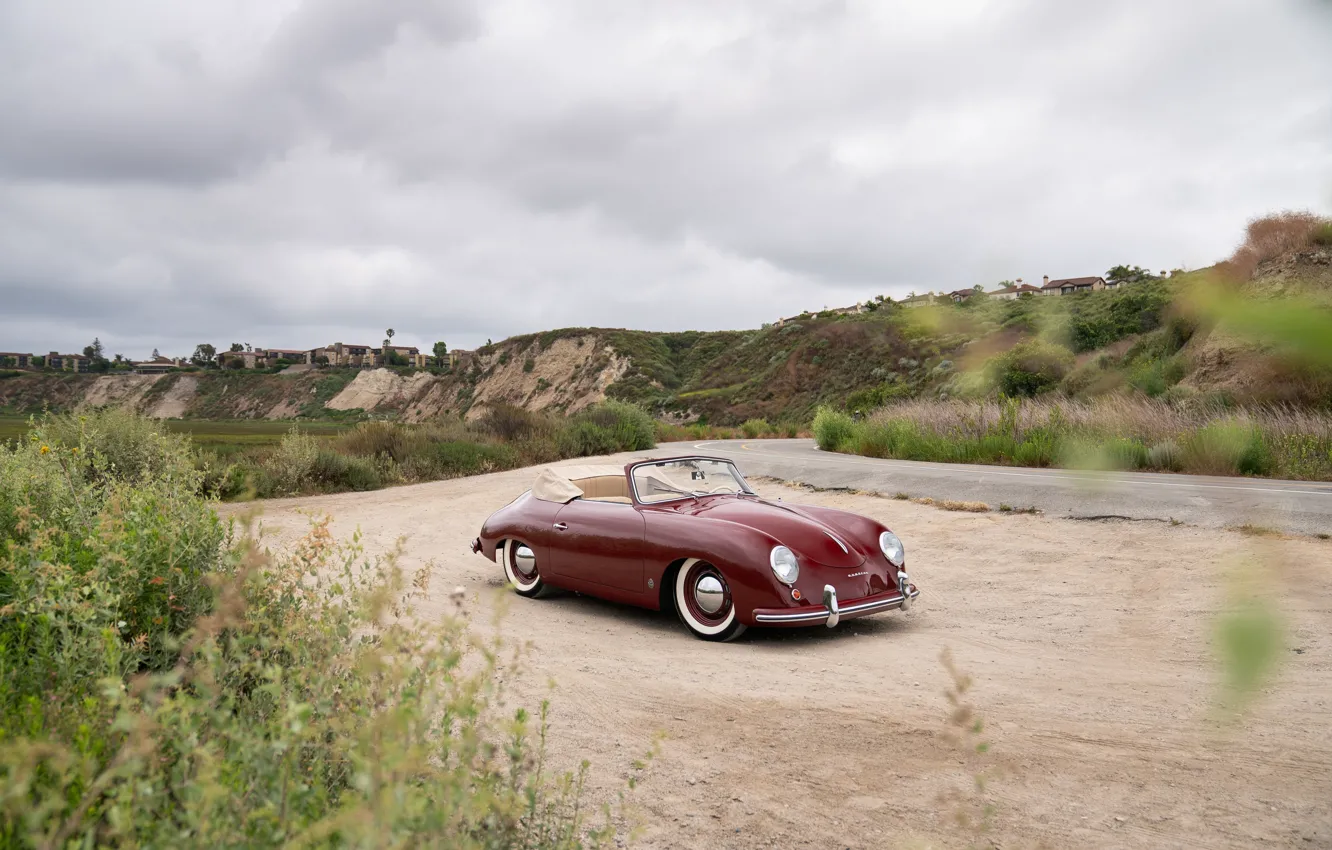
(322, 169)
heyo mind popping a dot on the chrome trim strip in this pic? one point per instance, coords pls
(818, 615)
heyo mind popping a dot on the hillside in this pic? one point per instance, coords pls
(1157, 337)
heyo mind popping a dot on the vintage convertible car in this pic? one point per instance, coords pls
(689, 534)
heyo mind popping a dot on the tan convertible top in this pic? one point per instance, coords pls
(562, 484)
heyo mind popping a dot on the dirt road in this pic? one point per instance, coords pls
(1090, 647)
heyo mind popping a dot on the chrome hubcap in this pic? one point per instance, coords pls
(709, 595)
(524, 561)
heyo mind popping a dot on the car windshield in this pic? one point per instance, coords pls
(672, 479)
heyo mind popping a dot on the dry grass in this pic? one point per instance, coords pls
(1144, 418)
(1123, 432)
(954, 505)
(1271, 236)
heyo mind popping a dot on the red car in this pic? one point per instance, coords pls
(689, 534)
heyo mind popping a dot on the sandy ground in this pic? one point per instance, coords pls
(1090, 647)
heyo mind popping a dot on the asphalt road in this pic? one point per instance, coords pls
(1300, 507)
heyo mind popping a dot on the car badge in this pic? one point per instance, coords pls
(649, 584)
(853, 575)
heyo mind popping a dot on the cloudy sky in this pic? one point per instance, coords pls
(293, 172)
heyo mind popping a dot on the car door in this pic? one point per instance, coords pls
(600, 543)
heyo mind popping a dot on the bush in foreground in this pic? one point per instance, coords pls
(243, 700)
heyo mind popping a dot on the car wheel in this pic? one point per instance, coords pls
(520, 568)
(703, 601)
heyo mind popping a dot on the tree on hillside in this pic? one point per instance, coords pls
(203, 354)
(1128, 274)
(441, 352)
(389, 333)
(236, 346)
(94, 351)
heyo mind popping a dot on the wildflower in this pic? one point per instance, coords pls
(46, 449)
(75, 450)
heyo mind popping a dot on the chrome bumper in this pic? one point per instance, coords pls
(832, 613)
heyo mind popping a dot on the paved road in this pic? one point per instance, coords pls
(1295, 506)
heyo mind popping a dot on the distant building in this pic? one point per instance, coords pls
(960, 295)
(411, 354)
(68, 362)
(15, 360)
(340, 354)
(917, 300)
(293, 355)
(460, 357)
(157, 365)
(1012, 293)
(1071, 285)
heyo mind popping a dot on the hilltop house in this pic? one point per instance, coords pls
(917, 300)
(157, 365)
(959, 295)
(1071, 285)
(1014, 292)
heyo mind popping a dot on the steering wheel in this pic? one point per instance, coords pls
(721, 488)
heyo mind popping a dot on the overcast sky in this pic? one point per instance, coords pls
(290, 173)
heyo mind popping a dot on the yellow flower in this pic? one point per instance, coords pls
(46, 449)
(75, 450)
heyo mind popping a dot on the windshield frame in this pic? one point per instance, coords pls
(735, 470)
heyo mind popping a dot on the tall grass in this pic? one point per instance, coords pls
(1115, 433)
(166, 687)
(379, 454)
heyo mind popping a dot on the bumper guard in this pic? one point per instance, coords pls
(832, 612)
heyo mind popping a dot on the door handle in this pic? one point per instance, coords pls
(559, 526)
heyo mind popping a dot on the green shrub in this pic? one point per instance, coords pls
(876, 397)
(1322, 234)
(1166, 456)
(1226, 447)
(291, 467)
(373, 439)
(511, 423)
(609, 427)
(463, 458)
(832, 429)
(585, 438)
(754, 428)
(164, 687)
(333, 471)
(1031, 368)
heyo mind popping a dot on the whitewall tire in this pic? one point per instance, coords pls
(521, 569)
(703, 602)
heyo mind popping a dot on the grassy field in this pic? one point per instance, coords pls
(225, 438)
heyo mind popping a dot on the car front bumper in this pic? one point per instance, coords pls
(831, 612)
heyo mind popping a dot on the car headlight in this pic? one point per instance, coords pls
(784, 564)
(892, 548)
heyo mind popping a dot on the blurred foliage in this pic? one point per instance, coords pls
(166, 687)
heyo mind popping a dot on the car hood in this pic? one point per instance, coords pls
(803, 534)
